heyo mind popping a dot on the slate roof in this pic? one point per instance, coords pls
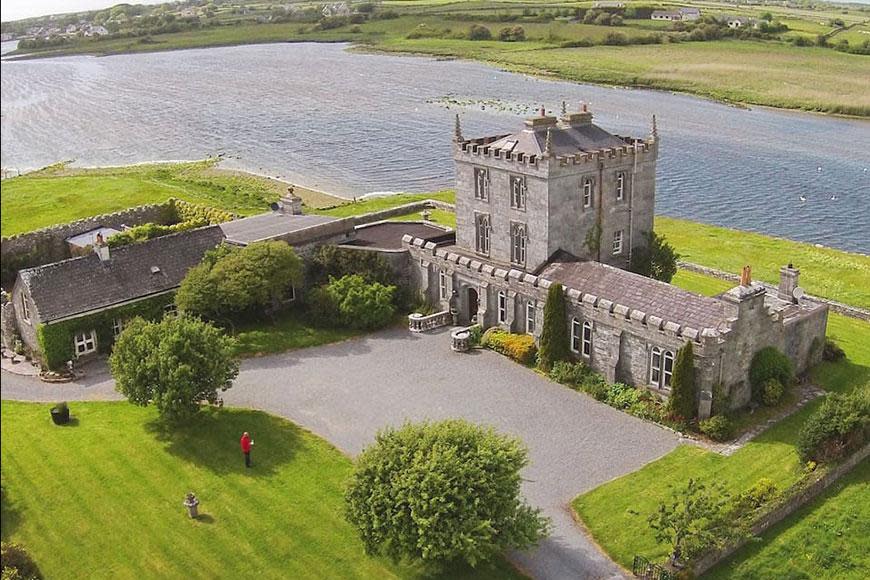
(267, 226)
(566, 140)
(639, 293)
(83, 284)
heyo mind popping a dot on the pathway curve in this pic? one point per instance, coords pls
(345, 392)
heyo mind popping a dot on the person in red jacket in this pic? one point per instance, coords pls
(246, 443)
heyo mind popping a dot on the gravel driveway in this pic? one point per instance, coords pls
(345, 392)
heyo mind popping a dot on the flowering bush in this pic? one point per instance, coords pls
(520, 347)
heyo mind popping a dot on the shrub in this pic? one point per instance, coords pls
(176, 364)
(717, 428)
(769, 363)
(596, 386)
(771, 392)
(622, 396)
(554, 333)
(573, 374)
(519, 347)
(475, 335)
(832, 351)
(150, 231)
(478, 32)
(761, 492)
(336, 262)
(442, 492)
(321, 309)
(683, 393)
(657, 259)
(17, 563)
(836, 428)
(360, 304)
(512, 34)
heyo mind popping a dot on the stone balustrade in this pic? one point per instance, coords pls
(419, 323)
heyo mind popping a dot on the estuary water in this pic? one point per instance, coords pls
(352, 124)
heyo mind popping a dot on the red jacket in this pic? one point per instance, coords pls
(246, 443)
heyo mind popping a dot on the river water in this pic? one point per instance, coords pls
(351, 124)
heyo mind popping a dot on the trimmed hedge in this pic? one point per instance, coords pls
(520, 347)
(56, 340)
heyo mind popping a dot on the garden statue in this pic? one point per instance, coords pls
(191, 503)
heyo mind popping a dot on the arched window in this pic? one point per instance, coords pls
(588, 191)
(575, 335)
(518, 243)
(502, 307)
(587, 338)
(482, 229)
(668, 370)
(518, 192)
(530, 317)
(481, 183)
(661, 368)
(655, 366)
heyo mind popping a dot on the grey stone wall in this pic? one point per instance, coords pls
(26, 329)
(48, 245)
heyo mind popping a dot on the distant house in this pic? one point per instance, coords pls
(96, 31)
(740, 22)
(670, 15)
(340, 9)
(608, 4)
(689, 13)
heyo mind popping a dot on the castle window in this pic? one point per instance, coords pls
(575, 335)
(481, 183)
(117, 326)
(617, 242)
(481, 231)
(518, 243)
(502, 307)
(518, 192)
(620, 186)
(85, 342)
(587, 339)
(25, 309)
(588, 191)
(661, 368)
(530, 317)
(442, 285)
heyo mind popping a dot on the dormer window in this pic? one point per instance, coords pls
(588, 191)
(620, 186)
(518, 192)
(481, 183)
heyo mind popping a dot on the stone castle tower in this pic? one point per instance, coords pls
(560, 184)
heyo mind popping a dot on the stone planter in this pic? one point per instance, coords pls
(60, 415)
(460, 340)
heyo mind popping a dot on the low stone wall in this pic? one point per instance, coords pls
(791, 505)
(839, 307)
(48, 245)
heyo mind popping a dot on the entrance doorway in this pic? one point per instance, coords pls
(472, 303)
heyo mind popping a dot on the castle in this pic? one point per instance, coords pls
(565, 201)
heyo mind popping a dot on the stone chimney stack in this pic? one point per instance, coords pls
(101, 248)
(542, 121)
(579, 119)
(746, 276)
(290, 203)
(788, 281)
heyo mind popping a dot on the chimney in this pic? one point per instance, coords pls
(541, 121)
(101, 248)
(580, 119)
(788, 282)
(746, 276)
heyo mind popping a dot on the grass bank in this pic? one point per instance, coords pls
(114, 481)
(616, 512)
(289, 331)
(60, 194)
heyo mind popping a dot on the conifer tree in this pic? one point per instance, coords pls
(554, 334)
(682, 401)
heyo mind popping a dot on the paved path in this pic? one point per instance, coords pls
(345, 392)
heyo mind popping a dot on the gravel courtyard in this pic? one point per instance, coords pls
(345, 392)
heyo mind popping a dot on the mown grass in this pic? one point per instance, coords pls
(289, 331)
(380, 203)
(101, 498)
(436, 216)
(825, 272)
(828, 538)
(615, 513)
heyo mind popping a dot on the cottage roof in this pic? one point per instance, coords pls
(80, 285)
(566, 138)
(88, 238)
(267, 226)
(639, 293)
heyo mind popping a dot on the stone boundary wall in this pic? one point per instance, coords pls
(791, 505)
(839, 307)
(47, 245)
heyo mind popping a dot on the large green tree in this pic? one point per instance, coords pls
(176, 363)
(442, 492)
(657, 260)
(554, 345)
(683, 399)
(232, 283)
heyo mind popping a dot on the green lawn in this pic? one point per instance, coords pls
(102, 498)
(288, 332)
(59, 194)
(825, 272)
(828, 538)
(379, 203)
(437, 216)
(615, 513)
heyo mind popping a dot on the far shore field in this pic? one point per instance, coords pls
(60, 194)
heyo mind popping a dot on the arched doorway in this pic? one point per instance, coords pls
(471, 302)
